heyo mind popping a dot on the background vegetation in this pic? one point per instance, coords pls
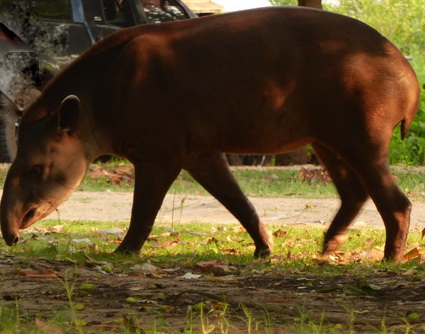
(402, 22)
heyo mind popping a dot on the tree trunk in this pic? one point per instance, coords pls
(311, 3)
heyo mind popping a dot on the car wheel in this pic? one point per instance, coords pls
(8, 120)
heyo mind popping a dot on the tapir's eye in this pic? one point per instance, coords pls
(36, 172)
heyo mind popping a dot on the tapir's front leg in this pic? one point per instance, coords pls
(152, 181)
(212, 172)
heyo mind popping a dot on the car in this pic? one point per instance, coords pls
(23, 73)
(38, 38)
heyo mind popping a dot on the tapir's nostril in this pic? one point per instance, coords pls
(11, 239)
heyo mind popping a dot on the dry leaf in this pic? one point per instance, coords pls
(239, 229)
(279, 233)
(220, 306)
(165, 244)
(413, 253)
(314, 175)
(212, 240)
(229, 251)
(149, 267)
(28, 272)
(208, 265)
(46, 328)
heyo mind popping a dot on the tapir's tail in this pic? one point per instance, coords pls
(405, 126)
(410, 115)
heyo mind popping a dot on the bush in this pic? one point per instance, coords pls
(410, 151)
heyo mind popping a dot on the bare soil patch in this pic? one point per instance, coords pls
(115, 206)
(359, 303)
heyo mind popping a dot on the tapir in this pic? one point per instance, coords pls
(178, 95)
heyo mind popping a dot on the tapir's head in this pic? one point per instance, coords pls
(49, 165)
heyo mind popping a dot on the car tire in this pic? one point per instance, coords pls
(8, 120)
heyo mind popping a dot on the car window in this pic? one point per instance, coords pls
(54, 10)
(158, 11)
(117, 12)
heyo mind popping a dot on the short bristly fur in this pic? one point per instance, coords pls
(175, 96)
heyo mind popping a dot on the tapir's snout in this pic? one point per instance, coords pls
(14, 212)
(11, 239)
(15, 217)
(9, 221)
(9, 226)
(13, 220)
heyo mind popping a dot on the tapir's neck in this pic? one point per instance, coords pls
(93, 142)
(93, 128)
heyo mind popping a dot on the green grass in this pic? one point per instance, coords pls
(259, 182)
(191, 243)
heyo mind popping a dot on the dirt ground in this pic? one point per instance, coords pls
(361, 303)
(113, 206)
(345, 301)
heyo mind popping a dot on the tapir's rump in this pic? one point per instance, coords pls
(177, 95)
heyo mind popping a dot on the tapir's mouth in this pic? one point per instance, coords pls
(36, 213)
(11, 235)
(28, 218)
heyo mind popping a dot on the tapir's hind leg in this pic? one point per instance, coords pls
(351, 191)
(212, 172)
(370, 164)
(393, 206)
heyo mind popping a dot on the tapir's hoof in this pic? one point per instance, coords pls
(262, 253)
(126, 250)
(393, 255)
(333, 244)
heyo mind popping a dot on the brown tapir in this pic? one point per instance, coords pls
(176, 96)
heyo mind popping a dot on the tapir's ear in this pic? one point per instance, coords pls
(69, 112)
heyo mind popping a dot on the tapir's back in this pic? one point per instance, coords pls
(254, 71)
(279, 75)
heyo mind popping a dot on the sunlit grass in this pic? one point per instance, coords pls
(257, 182)
(188, 244)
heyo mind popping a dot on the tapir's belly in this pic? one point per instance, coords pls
(258, 142)
(248, 131)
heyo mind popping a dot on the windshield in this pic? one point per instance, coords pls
(158, 11)
(118, 12)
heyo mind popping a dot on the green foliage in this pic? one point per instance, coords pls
(400, 21)
(410, 151)
(284, 2)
